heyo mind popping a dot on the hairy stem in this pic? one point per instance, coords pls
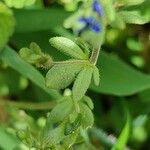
(71, 62)
(96, 50)
(94, 56)
(49, 64)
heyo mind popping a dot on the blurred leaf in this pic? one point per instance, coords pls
(101, 136)
(7, 23)
(130, 2)
(12, 59)
(9, 86)
(62, 75)
(116, 76)
(123, 138)
(134, 17)
(41, 19)
(68, 47)
(7, 141)
(82, 83)
(110, 11)
(139, 14)
(19, 3)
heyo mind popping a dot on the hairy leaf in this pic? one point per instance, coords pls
(87, 115)
(62, 75)
(83, 45)
(82, 83)
(61, 110)
(88, 101)
(7, 23)
(69, 140)
(53, 137)
(68, 47)
(71, 127)
(96, 76)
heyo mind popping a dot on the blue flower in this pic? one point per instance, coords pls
(91, 23)
(97, 7)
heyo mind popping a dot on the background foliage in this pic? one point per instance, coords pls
(121, 100)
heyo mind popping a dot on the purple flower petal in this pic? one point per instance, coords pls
(97, 7)
(95, 27)
(90, 23)
(87, 20)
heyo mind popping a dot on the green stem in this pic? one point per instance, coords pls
(96, 50)
(95, 55)
(71, 62)
(49, 64)
(28, 105)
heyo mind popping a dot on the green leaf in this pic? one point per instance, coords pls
(12, 59)
(123, 138)
(83, 45)
(19, 3)
(69, 140)
(96, 76)
(82, 83)
(68, 47)
(116, 76)
(72, 127)
(7, 23)
(88, 101)
(87, 115)
(62, 75)
(61, 110)
(53, 137)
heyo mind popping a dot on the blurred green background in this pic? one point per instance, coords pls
(124, 64)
